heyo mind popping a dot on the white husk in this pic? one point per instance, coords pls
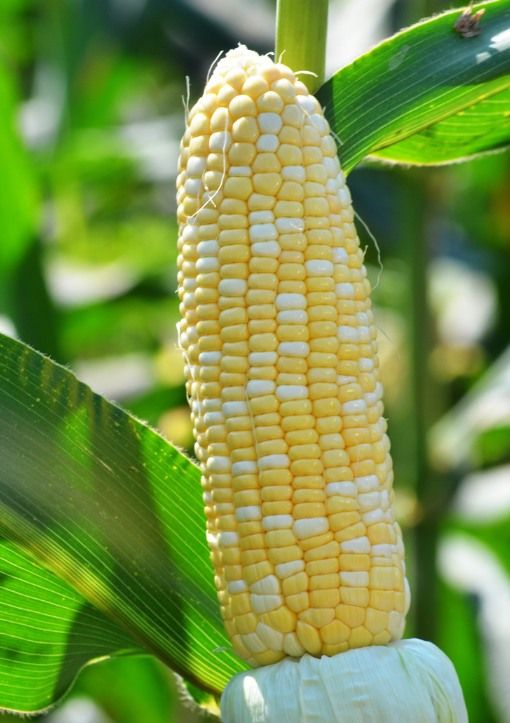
(410, 681)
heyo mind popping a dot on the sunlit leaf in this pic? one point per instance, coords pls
(47, 633)
(111, 508)
(427, 95)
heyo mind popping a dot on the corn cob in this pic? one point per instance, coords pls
(282, 375)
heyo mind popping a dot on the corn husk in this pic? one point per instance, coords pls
(409, 681)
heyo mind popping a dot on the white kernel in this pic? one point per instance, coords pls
(259, 387)
(292, 316)
(261, 217)
(290, 301)
(269, 122)
(344, 196)
(340, 255)
(220, 141)
(366, 365)
(307, 103)
(273, 639)
(354, 579)
(319, 267)
(235, 409)
(309, 527)
(274, 461)
(267, 249)
(209, 358)
(345, 379)
(356, 545)
(345, 489)
(294, 173)
(290, 225)
(331, 166)
(193, 186)
(196, 165)
(228, 539)
(244, 467)
(265, 603)
(268, 585)
(355, 406)
(285, 569)
(190, 233)
(253, 643)
(374, 516)
(368, 483)
(294, 348)
(348, 333)
(277, 522)
(396, 624)
(345, 291)
(233, 287)
(224, 508)
(292, 646)
(319, 122)
(248, 513)
(236, 586)
(243, 171)
(218, 464)
(207, 264)
(263, 232)
(384, 550)
(208, 248)
(267, 142)
(212, 540)
(369, 501)
(262, 358)
(286, 392)
(364, 333)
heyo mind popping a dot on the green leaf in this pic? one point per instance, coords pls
(426, 95)
(48, 632)
(110, 507)
(18, 196)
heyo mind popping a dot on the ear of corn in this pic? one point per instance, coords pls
(282, 375)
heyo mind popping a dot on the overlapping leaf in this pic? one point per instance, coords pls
(427, 95)
(111, 508)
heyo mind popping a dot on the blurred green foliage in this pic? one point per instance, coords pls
(92, 111)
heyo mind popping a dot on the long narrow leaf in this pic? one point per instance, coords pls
(110, 507)
(427, 95)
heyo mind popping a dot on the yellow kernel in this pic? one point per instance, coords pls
(267, 183)
(240, 154)
(238, 187)
(246, 623)
(291, 191)
(356, 596)
(242, 105)
(280, 538)
(309, 638)
(254, 86)
(266, 163)
(350, 615)
(270, 102)
(288, 553)
(354, 562)
(360, 637)
(324, 582)
(309, 509)
(245, 130)
(335, 632)
(240, 603)
(386, 600)
(295, 584)
(299, 602)
(376, 621)
(283, 619)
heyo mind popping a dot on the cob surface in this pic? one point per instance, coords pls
(281, 364)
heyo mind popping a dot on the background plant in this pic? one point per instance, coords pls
(92, 114)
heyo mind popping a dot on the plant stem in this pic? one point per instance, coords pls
(301, 30)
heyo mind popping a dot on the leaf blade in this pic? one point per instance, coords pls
(400, 90)
(111, 508)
